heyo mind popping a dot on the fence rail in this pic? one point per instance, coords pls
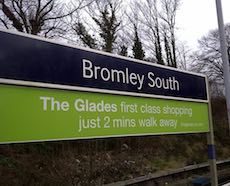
(181, 173)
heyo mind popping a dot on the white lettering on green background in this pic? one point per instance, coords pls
(34, 114)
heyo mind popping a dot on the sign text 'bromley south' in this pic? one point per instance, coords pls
(91, 71)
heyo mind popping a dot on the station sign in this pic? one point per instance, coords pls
(51, 91)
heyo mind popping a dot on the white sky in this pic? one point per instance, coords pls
(196, 17)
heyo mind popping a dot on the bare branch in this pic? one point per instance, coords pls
(4, 23)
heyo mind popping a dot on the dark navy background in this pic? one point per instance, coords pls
(24, 58)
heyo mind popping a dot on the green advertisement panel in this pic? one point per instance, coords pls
(40, 114)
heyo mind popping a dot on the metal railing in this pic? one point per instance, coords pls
(175, 174)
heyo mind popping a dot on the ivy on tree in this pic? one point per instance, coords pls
(138, 51)
(108, 25)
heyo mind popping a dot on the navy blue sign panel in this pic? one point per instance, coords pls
(31, 59)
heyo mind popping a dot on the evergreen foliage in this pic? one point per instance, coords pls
(85, 37)
(138, 51)
(123, 50)
(108, 25)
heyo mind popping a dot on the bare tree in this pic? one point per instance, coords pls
(158, 19)
(207, 59)
(168, 17)
(38, 17)
(149, 18)
(183, 56)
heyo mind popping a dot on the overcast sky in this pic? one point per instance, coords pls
(196, 17)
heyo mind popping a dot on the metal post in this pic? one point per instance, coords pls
(212, 155)
(224, 52)
(211, 144)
